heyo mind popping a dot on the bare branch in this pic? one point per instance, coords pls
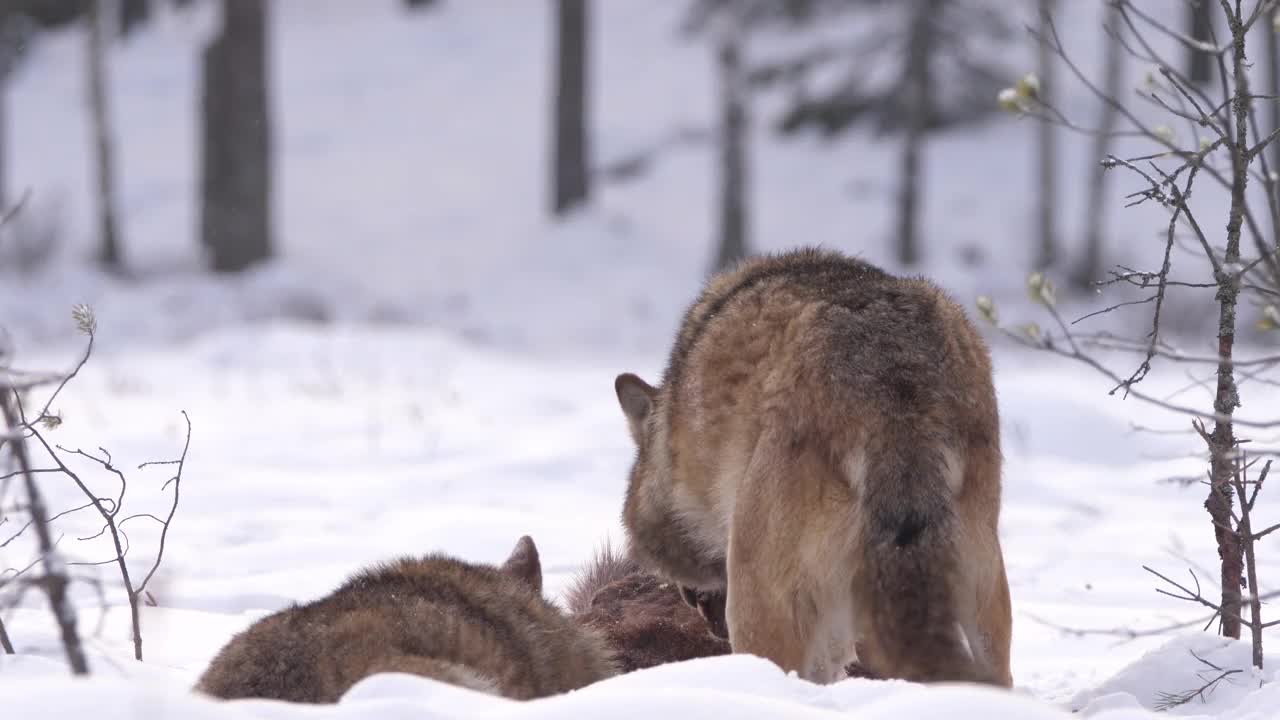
(55, 586)
(1247, 540)
(107, 508)
(1168, 701)
(176, 481)
(1124, 634)
(1195, 596)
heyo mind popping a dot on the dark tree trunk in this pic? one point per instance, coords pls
(133, 14)
(4, 141)
(235, 223)
(1221, 467)
(1271, 157)
(5, 643)
(213, 147)
(1200, 26)
(8, 58)
(109, 250)
(733, 244)
(1047, 152)
(917, 91)
(1273, 84)
(571, 181)
(1089, 270)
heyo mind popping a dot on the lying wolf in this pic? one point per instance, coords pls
(483, 627)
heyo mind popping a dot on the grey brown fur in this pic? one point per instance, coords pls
(824, 447)
(479, 626)
(641, 617)
(608, 565)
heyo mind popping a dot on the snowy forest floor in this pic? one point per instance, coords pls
(315, 452)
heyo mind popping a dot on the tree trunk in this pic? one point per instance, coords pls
(1047, 151)
(9, 50)
(733, 230)
(1273, 83)
(133, 14)
(1271, 165)
(213, 144)
(1222, 447)
(1222, 442)
(4, 131)
(109, 250)
(1090, 268)
(235, 223)
(1200, 27)
(8, 58)
(917, 93)
(571, 181)
(5, 643)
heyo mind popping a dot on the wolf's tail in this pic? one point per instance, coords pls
(907, 594)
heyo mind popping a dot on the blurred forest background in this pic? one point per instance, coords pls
(558, 173)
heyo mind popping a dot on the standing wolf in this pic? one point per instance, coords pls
(825, 447)
(472, 625)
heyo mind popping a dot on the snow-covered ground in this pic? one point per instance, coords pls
(315, 452)
(430, 364)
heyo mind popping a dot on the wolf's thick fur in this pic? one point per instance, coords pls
(479, 626)
(825, 446)
(642, 618)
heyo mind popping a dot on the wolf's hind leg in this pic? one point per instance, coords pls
(768, 612)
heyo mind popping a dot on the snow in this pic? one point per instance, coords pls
(429, 366)
(1151, 676)
(323, 450)
(734, 686)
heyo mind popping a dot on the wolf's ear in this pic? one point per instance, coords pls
(636, 398)
(524, 565)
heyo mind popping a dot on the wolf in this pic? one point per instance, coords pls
(823, 449)
(478, 626)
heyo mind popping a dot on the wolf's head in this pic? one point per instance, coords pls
(647, 508)
(658, 536)
(649, 484)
